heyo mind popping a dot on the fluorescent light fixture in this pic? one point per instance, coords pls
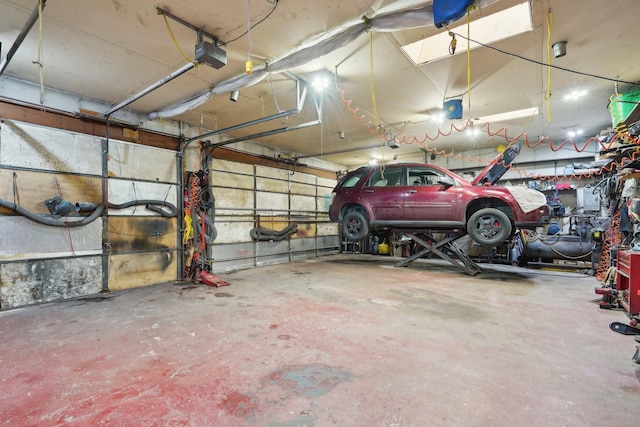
(499, 26)
(574, 133)
(473, 131)
(511, 115)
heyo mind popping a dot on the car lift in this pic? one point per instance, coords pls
(430, 244)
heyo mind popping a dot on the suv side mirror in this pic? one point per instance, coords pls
(446, 181)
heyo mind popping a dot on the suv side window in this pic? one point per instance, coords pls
(423, 176)
(388, 177)
(352, 180)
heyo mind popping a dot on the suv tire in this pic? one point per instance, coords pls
(354, 226)
(489, 227)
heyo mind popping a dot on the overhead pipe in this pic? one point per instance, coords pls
(268, 133)
(300, 99)
(21, 36)
(179, 20)
(186, 67)
(345, 150)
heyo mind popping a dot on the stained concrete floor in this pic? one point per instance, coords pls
(335, 341)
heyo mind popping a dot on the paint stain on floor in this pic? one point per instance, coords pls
(240, 405)
(223, 295)
(308, 381)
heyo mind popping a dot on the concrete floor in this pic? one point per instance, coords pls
(336, 341)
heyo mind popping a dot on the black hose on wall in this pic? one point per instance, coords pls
(265, 234)
(153, 205)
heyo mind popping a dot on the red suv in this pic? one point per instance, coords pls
(428, 197)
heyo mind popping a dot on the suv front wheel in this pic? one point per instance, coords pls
(489, 227)
(354, 226)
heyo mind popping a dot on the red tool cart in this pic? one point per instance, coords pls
(628, 282)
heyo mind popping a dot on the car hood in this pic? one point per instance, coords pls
(497, 167)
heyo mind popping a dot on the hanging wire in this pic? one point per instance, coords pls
(135, 196)
(515, 55)
(41, 51)
(548, 97)
(378, 132)
(175, 42)
(469, 60)
(275, 99)
(453, 44)
(275, 5)
(16, 194)
(376, 120)
(249, 29)
(59, 192)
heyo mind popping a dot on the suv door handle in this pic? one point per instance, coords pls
(367, 191)
(411, 191)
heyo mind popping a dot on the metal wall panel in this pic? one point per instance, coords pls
(36, 281)
(272, 185)
(232, 168)
(303, 203)
(231, 180)
(142, 269)
(135, 234)
(228, 257)
(233, 198)
(280, 198)
(32, 188)
(329, 184)
(135, 161)
(328, 229)
(43, 263)
(124, 190)
(26, 239)
(272, 202)
(323, 203)
(233, 229)
(303, 178)
(267, 172)
(33, 147)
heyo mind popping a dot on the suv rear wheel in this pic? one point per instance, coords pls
(355, 226)
(489, 227)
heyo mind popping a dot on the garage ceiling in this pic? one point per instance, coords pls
(110, 50)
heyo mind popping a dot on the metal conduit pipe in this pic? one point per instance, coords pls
(300, 98)
(154, 86)
(269, 132)
(21, 36)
